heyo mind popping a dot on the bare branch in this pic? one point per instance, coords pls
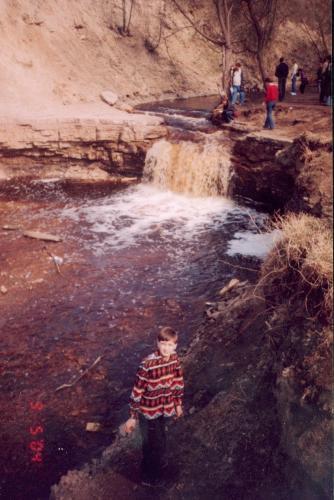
(219, 15)
(130, 15)
(313, 42)
(200, 32)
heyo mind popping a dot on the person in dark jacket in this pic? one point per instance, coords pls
(282, 71)
(223, 113)
(303, 80)
(319, 73)
(327, 81)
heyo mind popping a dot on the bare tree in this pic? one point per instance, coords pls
(263, 18)
(127, 8)
(316, 23)
(220, 36)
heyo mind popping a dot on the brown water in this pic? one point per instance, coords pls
(193, 106)
(201, 106)
(130, 261)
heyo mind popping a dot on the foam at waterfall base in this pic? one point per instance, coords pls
(142, 212)
(146, 217)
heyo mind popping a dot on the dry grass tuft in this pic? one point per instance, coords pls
(301, 265)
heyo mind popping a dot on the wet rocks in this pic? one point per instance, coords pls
(230, 294)
(93, 426)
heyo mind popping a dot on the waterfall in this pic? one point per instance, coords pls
(195, 168)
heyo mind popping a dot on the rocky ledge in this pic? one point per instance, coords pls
(283, 173)
(61, 146)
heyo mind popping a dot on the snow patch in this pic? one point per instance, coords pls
(255, 244)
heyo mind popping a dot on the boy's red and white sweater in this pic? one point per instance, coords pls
(158, 387)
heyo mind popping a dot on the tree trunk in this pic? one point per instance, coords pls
(124, 17)
(227, 57)
(260, 60)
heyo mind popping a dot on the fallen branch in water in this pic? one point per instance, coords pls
(71, 384)
(54, 258)
(238, 267)
(41, 236)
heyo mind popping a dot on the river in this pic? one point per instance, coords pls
(130, 261)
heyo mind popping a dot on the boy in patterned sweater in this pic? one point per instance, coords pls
(156, 395)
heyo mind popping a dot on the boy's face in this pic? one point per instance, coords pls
(167, 347)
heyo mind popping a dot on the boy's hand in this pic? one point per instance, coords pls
(130, 425)
(179, 411)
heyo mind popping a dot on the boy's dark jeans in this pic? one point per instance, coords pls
(154, 446)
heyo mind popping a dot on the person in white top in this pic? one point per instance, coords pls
(294, 73)
(237, 82)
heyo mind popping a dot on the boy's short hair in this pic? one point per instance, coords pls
(167, 333)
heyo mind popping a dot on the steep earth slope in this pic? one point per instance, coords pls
(69, 51)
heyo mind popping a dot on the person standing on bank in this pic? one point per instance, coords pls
(156, 396)
(326, 82)
(294, 73)
(303, 80)
(319, 74)
(282, 71)
(237, 80)
(270, 101)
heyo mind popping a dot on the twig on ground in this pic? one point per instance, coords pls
(71, 384)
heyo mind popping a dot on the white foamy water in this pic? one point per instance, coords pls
(144, 212)
(254, 244)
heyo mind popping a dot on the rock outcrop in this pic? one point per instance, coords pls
(49, 147)
(312, 156)
(257, 175)
(284, 173)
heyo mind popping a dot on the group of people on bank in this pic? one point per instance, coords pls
(226, 111)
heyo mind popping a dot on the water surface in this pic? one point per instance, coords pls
(130, 261)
